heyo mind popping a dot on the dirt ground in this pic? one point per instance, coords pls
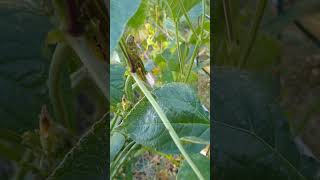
(300, 85)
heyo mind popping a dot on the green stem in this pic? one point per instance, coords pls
(120, 155)
(124, 157)
(79, 76)
(187, 18)
(253, 32)
(168, 125)
(114, 121)
(203, 18)
(96, 68)
(60, 57)
(194, 54)
(178, 45)
(227, 14)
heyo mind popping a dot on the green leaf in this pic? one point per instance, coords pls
(194, 13)
(184, 111)
(116, 143)
(88, 159)
(171, 59)
(120, 13)
(23, 70)
(202, 162)
(140, 16)
(117, 80)
(251, 136)
(174, 9)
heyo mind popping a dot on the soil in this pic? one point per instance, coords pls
(300, 85)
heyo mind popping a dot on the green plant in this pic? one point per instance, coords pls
(155, 105)
(63, 141)
(252, 137)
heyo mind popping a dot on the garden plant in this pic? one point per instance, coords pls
(159, 53)
(54, 98)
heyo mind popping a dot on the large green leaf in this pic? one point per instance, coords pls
(140, 16)
(251, 136)
(184, 112)
(116, 83)
(89, 158)
(202, 162)
(23, 70)
(120, 13)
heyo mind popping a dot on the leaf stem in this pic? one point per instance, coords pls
(168, 125)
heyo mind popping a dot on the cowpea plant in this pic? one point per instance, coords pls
(252, 138)
(54, 123)
(154, 46)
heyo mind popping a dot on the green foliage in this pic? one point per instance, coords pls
(116, 83)
(88, 158)
(182, 108)
(39, 143)
(23, 69)
(186, 173)
(251, 136)
(120, 13)
(165, 52)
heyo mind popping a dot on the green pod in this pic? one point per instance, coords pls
(59, 84)
(128, 89)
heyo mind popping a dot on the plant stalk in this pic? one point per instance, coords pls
(179, 50)
(187, 18)
(124, 157)
(194, 54)
(96, 68)
(59, 58)
(227, 14)
(254, 29)
(195, 51)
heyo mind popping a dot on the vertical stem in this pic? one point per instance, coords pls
(187, 18)
(228, 20)
(195, 52)
(123, 158)
(253, 32)
(96, 68)
(178, 45)
(60, 57)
